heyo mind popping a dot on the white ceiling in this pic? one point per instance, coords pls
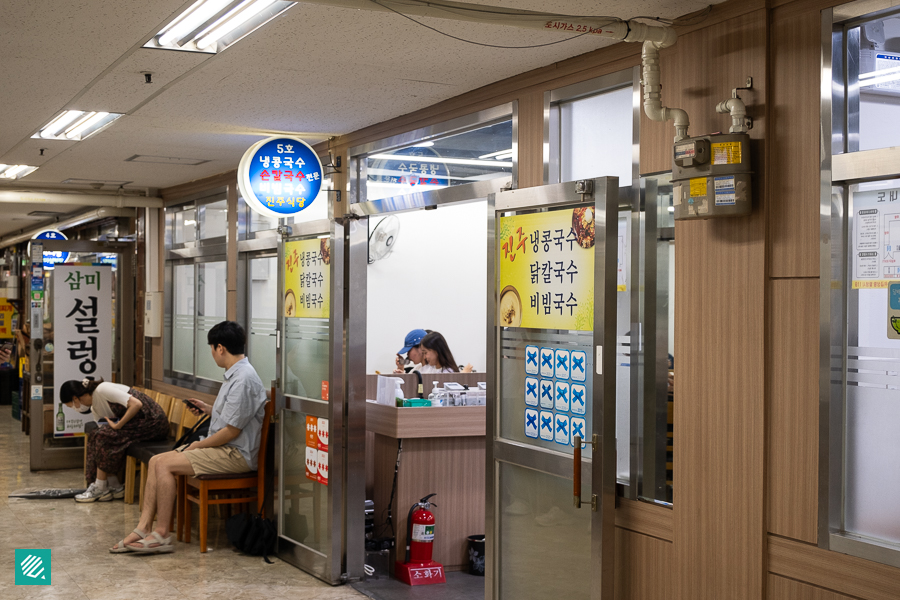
(316, 70)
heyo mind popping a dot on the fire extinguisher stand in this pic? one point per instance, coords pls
(417, 567)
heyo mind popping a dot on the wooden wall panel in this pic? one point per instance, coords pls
(720, 280)
(642, 517)
(780, 588)
(843, 574)
(794, 143)
(643, 567)
(531, 139)
(792, 392)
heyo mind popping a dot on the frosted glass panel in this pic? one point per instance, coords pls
(879, 83)
(544, 540)
(212, 294)
(213, 220)
(304, 502)
(185, 226)
(306, 348)
(263, 314)
(596, 136)
(183, 304)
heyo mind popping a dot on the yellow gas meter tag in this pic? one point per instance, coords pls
(726, 153)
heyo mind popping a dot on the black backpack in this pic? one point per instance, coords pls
(252, 534)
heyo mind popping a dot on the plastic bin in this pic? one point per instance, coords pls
(476, 555)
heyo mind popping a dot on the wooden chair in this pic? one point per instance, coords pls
(251, 483)
(133, 460)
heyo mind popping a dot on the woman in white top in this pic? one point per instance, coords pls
(126, 416)
(438, 358)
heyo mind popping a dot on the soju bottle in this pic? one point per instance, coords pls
(60, 419)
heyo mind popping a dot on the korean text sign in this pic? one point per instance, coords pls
(547, 270)
(82, 324)
(6, 315)
(876, 238)
(307, 278)
(280, 176)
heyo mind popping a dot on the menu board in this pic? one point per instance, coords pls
(307, 278)
(547, 270)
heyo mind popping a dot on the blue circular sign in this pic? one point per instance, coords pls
(280, 176)
(52, 257)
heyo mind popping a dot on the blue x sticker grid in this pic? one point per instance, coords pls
(546, 362)
(531, 360)
(562, 364)
(578, 367)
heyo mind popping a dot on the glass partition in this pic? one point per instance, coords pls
(184, 311)
(263, 310)
(211, 299)
(873, 59)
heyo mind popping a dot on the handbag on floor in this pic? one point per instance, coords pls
(252, 534)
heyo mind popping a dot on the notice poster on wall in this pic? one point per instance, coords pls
(82, 323)
(547, 270)
(876, 238)
(7, 311)
(307, 278)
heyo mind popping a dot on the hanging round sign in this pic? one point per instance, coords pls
(51, 257)
(280, 176)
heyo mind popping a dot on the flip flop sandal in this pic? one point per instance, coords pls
(121, 548)
(144, 547)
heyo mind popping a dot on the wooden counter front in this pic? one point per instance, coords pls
(443, 453)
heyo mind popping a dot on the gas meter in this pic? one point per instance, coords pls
(711, 176)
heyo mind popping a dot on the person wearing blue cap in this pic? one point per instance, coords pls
(413, 351)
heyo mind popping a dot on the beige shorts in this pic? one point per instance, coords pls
(212, 461)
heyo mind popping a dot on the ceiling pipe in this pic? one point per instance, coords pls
(65, 223)
(51, 198)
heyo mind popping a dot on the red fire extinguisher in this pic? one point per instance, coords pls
(418, 568)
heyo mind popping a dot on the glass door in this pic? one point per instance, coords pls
(551, 460)
(311, 490)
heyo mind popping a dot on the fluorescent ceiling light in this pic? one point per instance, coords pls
(508, 151)
(437, 159)
(76, 125)
(212, 25)
(423, 145)
(15, 171)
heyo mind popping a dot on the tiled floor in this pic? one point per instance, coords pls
(80, 535)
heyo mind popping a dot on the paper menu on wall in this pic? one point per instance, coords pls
(875, 237)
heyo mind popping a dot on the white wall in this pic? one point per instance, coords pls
(434, 279)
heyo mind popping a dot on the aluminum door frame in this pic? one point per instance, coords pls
(346, 420)
(46, 458)
(603, 471)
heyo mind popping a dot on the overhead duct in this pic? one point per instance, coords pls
(39, 197)
(86, 217)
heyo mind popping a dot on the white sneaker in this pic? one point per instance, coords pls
(94, 493)
(117, 492)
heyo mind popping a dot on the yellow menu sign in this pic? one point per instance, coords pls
(6, 314)
(307, 278)
(547, 270)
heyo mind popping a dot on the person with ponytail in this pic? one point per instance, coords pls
(126, 416)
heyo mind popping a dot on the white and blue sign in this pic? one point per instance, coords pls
(579, 428)
(531, 423)
(531, 360)
(545, 425)
(578, 399)
(562, 396)
(280, 176)
(52, 257)
(546, 393)
(578, 367)
(562, 364)
(546, 362)
(561, 430)
(531, 391)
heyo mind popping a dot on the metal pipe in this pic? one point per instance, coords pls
(91, 215)
(738, 111)
(20, 196)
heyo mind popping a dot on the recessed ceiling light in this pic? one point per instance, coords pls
(212, 25)
(166, 160)
(15, 171)
(76, 125)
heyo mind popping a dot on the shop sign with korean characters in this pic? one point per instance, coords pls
(280, 176)
(547, 270)
(307, 278)
(52, 257)
(82, 323)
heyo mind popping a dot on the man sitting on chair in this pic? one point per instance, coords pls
(231, 446)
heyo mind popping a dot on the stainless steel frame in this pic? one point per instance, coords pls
(475, 120)
(603, 470)
(44, 457)
(841, 166)
(346, 417)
